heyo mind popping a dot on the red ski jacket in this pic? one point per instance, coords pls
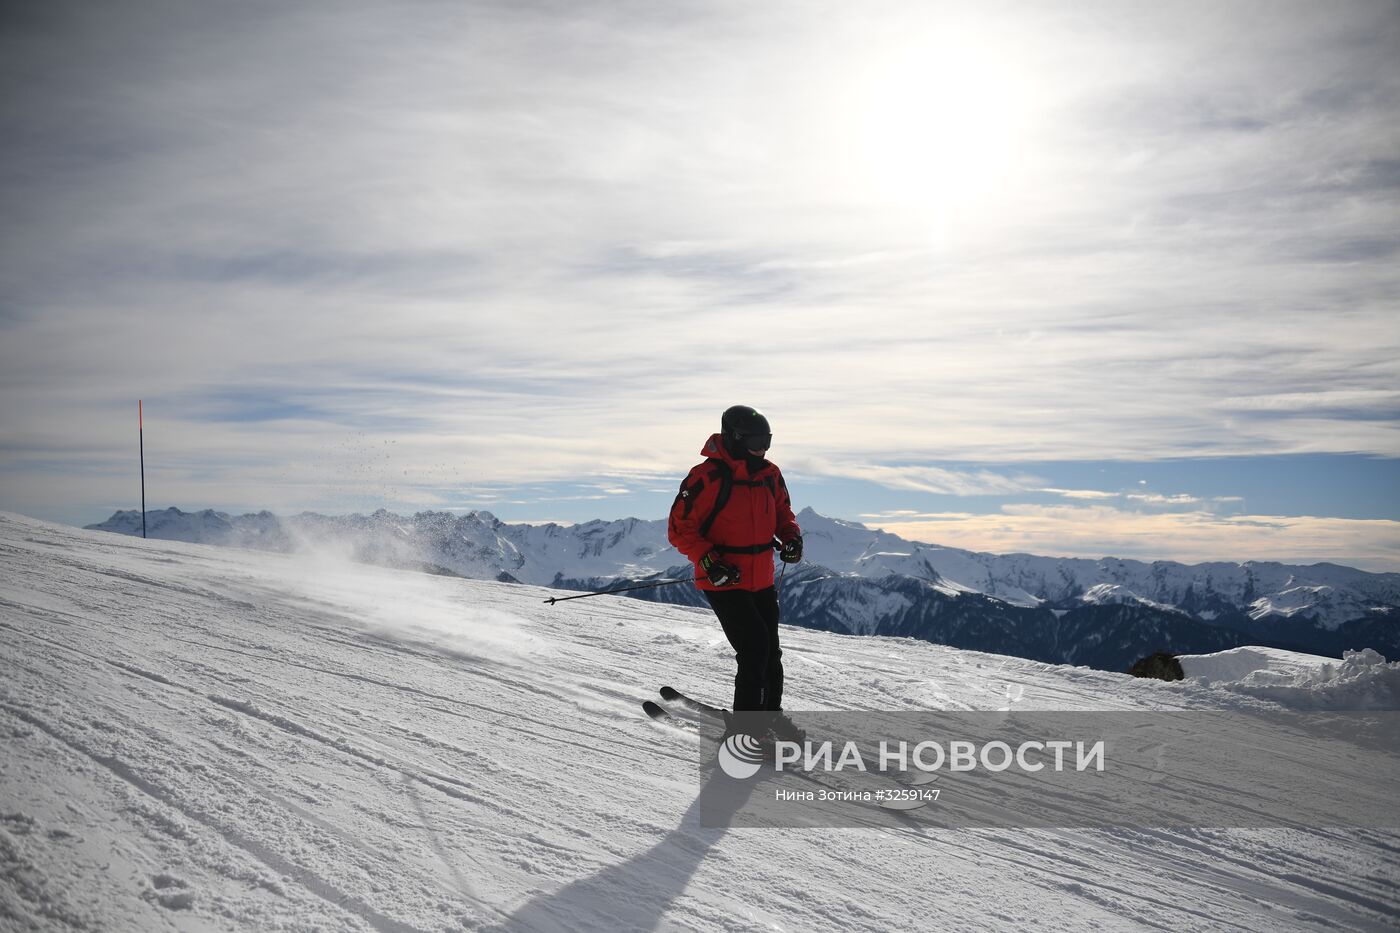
(742, 530)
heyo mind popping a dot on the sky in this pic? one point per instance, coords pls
(1068, 278)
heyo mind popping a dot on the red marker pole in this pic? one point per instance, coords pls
(141, 442)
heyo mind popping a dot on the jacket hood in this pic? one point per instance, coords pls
(714, 447)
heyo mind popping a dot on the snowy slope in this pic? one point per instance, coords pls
(218, 739)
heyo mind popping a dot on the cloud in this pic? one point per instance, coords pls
(1190, 537)
(1159, 499)
(1365, 403)
(533, 246)
(1081, 493)
(905, 515)
(924, 479)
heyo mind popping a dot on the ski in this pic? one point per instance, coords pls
(672, 695)
(660, 714)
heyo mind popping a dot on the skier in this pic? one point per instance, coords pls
(731, 513)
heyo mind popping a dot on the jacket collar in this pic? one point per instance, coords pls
(714, 447)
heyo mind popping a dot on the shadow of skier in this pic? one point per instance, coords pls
(635, 894)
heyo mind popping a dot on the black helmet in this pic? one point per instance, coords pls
(745, 429)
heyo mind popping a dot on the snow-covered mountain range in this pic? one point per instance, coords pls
(858, 580)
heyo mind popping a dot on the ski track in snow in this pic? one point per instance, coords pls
(203, 738)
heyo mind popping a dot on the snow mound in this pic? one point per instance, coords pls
(1360, 680)
(1239, 663)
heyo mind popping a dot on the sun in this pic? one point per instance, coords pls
(939, 125)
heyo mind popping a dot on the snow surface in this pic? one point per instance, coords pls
(1361, 680)
(1238, 663)
(204, 738)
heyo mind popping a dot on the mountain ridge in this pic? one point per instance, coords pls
(1024, 604)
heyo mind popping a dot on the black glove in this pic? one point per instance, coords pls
(720, 571)
(791, 550)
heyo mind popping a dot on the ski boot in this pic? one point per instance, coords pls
(783, 729)
(750, 727)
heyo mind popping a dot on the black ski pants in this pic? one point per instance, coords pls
(750, 622)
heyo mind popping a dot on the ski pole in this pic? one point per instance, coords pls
(641, 586)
